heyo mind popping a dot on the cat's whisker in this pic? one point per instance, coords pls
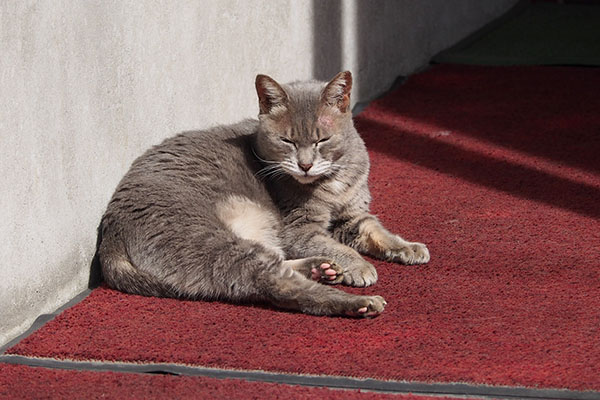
(279, 176)
(276, 174)
(321, 167)
(269, 167)
(289, 164)
(262, 159)
(275, 171)
(270, 174)
(266, 169)
(336, 167)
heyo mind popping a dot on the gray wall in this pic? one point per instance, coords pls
(86, 86)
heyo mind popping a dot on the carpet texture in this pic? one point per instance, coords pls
(534, 34)
(22, 382)
(497, 170)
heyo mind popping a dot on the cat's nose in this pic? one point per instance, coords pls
(305, 167)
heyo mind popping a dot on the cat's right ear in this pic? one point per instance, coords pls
(271, 96)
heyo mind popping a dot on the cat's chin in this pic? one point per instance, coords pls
(305, 179)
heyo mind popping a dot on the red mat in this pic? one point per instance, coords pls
(21, 382)
(497, 170)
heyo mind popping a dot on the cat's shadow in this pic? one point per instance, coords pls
(95, 277)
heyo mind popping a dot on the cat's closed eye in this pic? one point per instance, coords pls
(288, 141)
(323, 140)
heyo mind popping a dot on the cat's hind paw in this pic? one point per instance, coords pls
(367, 306)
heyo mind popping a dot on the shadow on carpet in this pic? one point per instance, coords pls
(534, 34)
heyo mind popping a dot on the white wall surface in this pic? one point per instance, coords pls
(86, 86)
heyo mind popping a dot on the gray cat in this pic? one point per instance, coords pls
(272, 210)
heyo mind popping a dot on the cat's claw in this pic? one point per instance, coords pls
(360, 274)
(409, 254)
(329, 273)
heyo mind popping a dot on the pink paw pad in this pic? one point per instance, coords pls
(326, 273)
(362, 312)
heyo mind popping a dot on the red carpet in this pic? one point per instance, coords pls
(498, 171)
(21, 382)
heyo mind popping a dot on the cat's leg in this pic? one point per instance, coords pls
(241, 271)
(236, 270)
(366, 234)
(315, 241)
(250, 221)
(262, 275)
(289, 289)
(321, 269)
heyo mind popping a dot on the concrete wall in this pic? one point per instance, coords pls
(86, 86)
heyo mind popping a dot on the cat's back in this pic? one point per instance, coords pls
(194, 157)
(189, 172)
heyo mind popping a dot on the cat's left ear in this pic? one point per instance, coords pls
(337, 92)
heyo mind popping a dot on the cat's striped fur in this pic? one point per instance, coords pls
(274, 209)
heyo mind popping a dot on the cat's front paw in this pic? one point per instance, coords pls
(408, 253)
(360, 274)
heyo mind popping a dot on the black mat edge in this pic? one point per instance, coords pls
(43, 319)
(332, 382)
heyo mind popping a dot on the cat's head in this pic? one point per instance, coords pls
(304, 126)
